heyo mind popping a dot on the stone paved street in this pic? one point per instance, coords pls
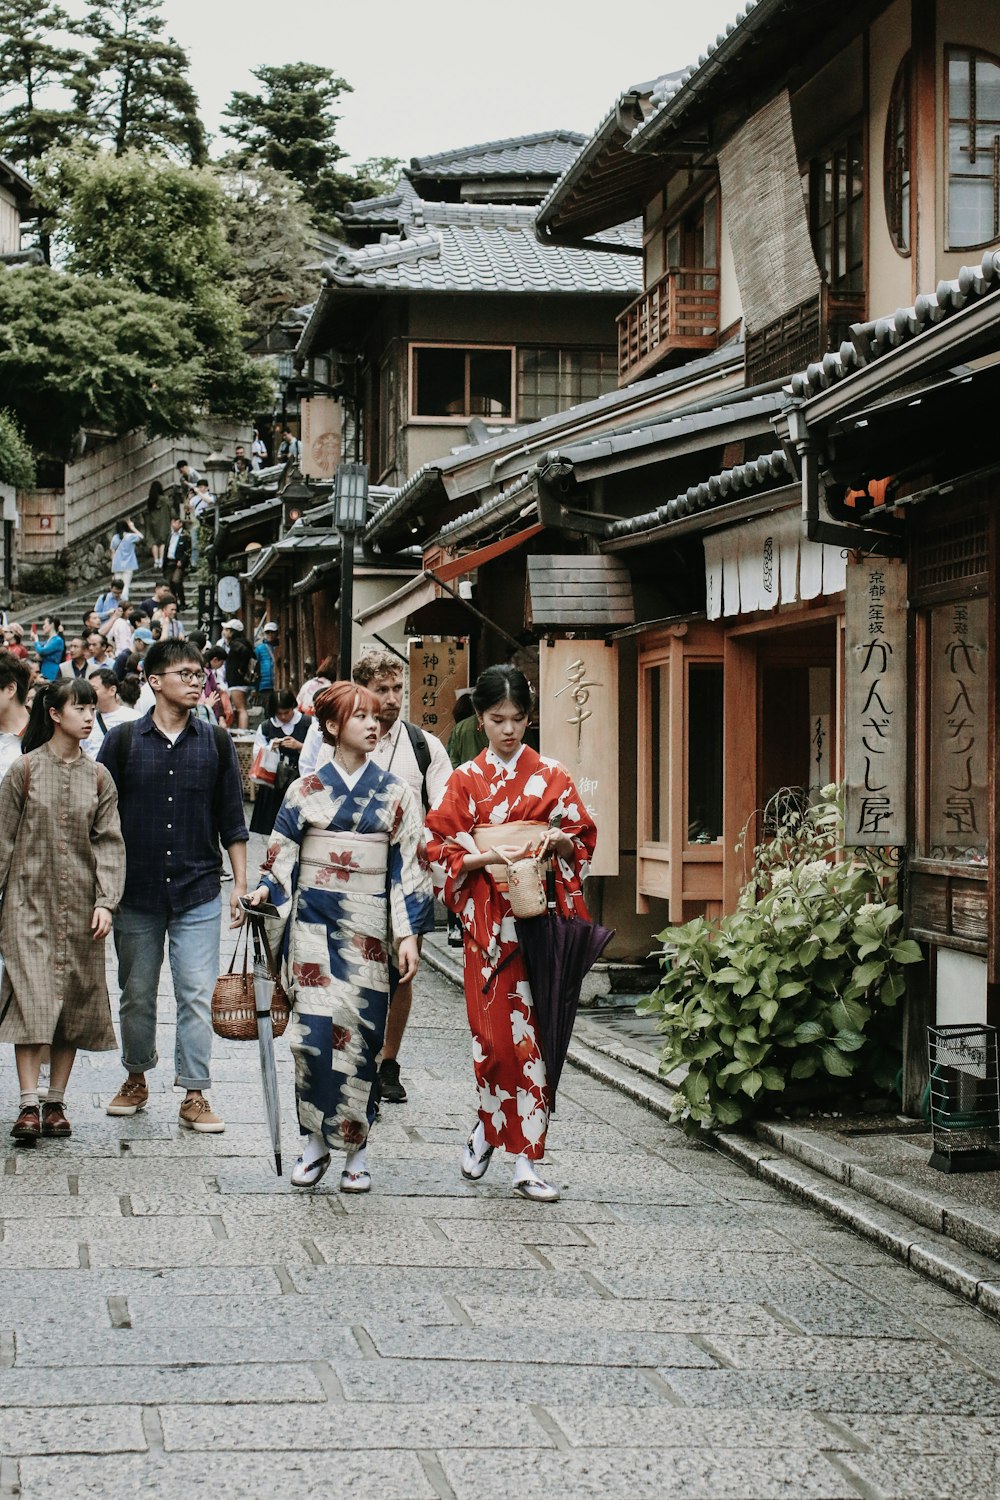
(175, 1321)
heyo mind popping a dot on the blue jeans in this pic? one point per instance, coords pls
(194, 938)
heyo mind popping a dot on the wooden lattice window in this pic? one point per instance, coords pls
(973, 148)
(952, 559)
(896, 160)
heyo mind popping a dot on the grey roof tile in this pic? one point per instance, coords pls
(492, 252)
(870, 341)
(545, 154)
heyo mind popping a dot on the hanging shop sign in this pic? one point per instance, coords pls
(321, 437)
(875, 703)
(578, 709)
(958, 725)
(438, 669)
(767, 562)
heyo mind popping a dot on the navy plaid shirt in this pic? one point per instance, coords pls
(173, 814)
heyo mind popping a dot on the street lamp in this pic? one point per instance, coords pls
(218, 468)
(350, 512)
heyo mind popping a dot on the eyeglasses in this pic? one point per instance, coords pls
(186, 676)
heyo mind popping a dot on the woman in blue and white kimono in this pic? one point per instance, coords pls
(346, 868)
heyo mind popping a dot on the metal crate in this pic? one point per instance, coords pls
(964, 1098)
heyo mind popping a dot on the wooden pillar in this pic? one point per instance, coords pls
(740, 750)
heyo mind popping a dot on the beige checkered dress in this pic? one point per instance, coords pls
(61, 854)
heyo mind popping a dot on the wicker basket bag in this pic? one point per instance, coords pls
(234, 1006)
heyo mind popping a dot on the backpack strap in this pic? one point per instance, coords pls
(422, 755)
(123, 749)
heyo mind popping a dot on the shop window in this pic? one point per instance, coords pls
(973, 148)
(837, 211)
(896, 160)
(704, 753)
(549, 380)
(449, 382)
(680, 772)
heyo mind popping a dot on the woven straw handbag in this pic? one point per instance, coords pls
(234, 1006)
(526, 887)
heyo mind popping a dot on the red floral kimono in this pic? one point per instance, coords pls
(510, 1070)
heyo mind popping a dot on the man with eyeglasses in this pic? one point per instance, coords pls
(179, 795)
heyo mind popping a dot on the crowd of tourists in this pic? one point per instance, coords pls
(121, 788)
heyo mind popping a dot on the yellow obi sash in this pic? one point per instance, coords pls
(345, 863)
(509, 836)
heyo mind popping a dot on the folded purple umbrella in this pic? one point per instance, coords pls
(558, 953)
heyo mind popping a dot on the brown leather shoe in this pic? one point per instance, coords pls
(196, 1114)
(130, 1098)
(28, 1125)
(54, 1121)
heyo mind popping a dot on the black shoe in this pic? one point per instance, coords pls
(389, 1087)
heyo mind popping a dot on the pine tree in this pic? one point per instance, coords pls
(39, 73)
(136, 93)
(291, 125)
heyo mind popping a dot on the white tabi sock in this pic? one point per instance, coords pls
(524, 1169)
(315, 1147)
(356, 1161)
(479, 1138)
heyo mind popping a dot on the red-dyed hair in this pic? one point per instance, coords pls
(336, 703)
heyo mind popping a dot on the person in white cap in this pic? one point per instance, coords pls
(241, 669)
(265, 653)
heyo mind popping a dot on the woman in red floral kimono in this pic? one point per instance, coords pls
(516, 801)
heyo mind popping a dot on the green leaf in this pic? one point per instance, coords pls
(747, 1034)
(834, 1062)
(907, 952)
(773, 1078)
(809, 1031)
(805, 1067)
(867, 974)
(727, 1111)
(848, 1041)
(752, 1084)
(696, 1087)
(789, 988)
(768, 1010)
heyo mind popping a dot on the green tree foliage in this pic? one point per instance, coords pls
(150, 224)
(135, 91)
(39, 72)
(797, 984)
(376, 176)
(291, 125)
(17, 462)
(80, 351)
(267, 231)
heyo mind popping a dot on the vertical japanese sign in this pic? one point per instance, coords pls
(437, 670)
(875, 703)
(957, 714)
(578, 709)
(321, 437)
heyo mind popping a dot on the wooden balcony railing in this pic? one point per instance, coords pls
(678, 312)
(802, 335)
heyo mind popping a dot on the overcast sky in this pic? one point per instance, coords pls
(431, 74)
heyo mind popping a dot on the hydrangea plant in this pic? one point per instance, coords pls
(795, 984)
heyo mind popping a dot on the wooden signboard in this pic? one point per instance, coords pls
(875, 704)
(958, 721)
(321, 437)
(437, 670)
(578, 708)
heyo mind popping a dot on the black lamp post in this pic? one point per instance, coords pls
(350, 513)
(218, 468)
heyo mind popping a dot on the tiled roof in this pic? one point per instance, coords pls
(405, 210)
(603, 170)
(872, 340)
(766, 472)
(672, 93)
(485, 254)
(545, 154)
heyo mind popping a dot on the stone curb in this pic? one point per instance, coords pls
(917, 1230)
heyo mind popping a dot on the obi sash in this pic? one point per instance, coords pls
(510, 836)
(348, 863)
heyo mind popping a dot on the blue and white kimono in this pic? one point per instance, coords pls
(344, 863)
